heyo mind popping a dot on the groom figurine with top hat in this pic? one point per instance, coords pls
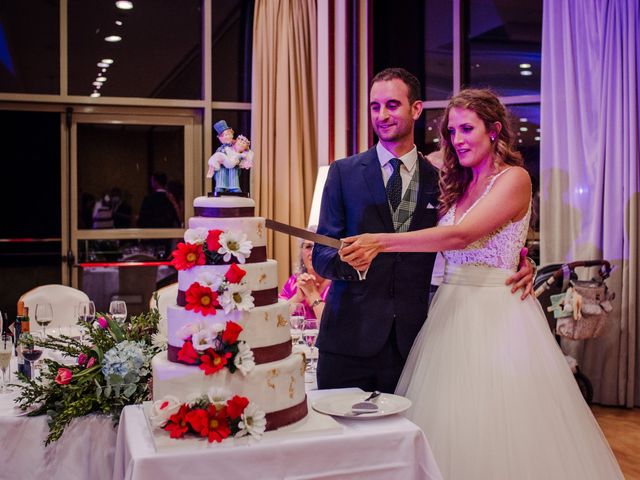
(225, 164)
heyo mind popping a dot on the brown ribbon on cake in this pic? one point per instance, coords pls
(260, 354)
(258, 254)
(216, 212)
(260, 297)
(286, 416)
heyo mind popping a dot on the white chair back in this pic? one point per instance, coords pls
(63, 299)
(166, 296)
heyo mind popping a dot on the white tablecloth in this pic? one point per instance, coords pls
(85, 450)
(383, 448)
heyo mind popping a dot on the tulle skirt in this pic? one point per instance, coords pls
(493, 392)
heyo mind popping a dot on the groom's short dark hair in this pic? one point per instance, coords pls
(412, 83)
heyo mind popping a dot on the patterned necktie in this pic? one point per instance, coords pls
(394, 184)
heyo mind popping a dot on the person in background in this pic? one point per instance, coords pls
(306, 286)
(157, 209)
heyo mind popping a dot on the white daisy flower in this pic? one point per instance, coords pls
(234, 244)
(216, 328)
(211, 280)
(252, 422)
(202, 340)
(236, 297)
(161, 410)
(194, 398)
(188, 330)
(196, 235)
(218, 395)
(244, 359)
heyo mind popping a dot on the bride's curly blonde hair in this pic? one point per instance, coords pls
(454, 178)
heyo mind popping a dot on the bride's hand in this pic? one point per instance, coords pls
(360, 250)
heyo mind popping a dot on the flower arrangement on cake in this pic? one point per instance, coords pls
(212, 247)
(111, 370)
(214, 416)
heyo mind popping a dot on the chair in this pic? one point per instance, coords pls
(63, 299)
(166, 296)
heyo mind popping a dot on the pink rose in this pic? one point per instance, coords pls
(91, 362)
(82, 359)
(102, 322)
(64, 376)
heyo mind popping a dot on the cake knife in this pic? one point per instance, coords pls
(302, 233)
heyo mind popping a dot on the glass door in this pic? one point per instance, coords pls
(130, 175)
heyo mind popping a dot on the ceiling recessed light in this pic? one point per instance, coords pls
(119, 23)
(113, 38)
(526, 73)
(519, 140)
(124, 5)
(95, 94)
(436, 140)
(101, 79)
(525, 65)
(536, 139)
(524, 129)
(523, 119)
(108, 61)
(97, 84)
(103, 65)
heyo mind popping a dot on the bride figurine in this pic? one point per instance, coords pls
(489, 385)
(232, 156)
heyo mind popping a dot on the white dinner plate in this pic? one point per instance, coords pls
(339, 405)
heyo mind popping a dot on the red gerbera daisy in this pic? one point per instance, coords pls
(236, 405)
(177, 425)
(231, 332)
(211, 362)
(187, 255)
(218, 426)
(201, 299)
(213, 240)
(198, 419)
(235, 273)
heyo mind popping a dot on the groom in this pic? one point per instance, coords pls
(374, 312)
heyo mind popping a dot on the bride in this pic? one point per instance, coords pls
(488, 383)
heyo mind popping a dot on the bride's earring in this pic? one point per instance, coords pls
(493, 138)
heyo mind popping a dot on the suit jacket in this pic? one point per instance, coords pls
(359, 315)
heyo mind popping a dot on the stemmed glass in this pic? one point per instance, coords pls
(296, 319)
(6, 348)
(118, 310)
(30, 352)
(44, 316)
(86, 312)
(310, 334)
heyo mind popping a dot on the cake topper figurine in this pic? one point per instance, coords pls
(225, 165)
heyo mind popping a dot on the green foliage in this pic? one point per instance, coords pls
(87, 390)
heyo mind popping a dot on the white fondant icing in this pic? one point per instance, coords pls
(260, 276)
(223, 202)
(262, 326)
(271, 386)
(252, 227)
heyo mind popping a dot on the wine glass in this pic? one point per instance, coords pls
(296, 319)
(6, 347)
(44, 316)
(31, 353)
(118, 310)
(86, 313)
(310, 334)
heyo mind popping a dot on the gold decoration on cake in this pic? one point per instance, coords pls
(303, 365)
(260, 228)
(282, 322)
(262, 277)
(271, 374)
(266, 316)
(292, 382)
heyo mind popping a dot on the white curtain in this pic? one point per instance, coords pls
(589, 163)
(284, 118)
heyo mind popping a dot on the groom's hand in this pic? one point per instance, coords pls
(352, 258)
(523, 278)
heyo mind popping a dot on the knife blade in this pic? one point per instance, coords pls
(302, 233)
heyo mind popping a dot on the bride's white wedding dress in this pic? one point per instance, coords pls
(488, 382)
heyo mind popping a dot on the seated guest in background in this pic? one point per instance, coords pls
(306, 286)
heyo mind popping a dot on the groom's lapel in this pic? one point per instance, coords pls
(373, 178)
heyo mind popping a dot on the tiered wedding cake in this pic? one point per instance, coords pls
(228, 331)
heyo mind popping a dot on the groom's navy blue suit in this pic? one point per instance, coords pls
(387, 309)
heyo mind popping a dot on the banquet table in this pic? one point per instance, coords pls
(381, 448)
(85, 450)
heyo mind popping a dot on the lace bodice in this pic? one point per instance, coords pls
(500, 249)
